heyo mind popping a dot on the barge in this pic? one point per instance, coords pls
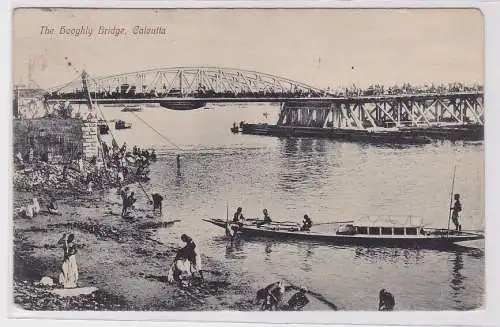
(399, 135)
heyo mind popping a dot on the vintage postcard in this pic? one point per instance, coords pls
(248, 160)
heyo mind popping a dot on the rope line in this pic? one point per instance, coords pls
(157, 132)
(114, 139)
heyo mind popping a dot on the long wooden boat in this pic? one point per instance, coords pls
(360, 234)
(132, 108)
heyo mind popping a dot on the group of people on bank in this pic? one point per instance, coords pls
(271, 298)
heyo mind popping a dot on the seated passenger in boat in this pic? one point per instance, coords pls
(237, 221)
(267, 218)
(306, 223)
(386, 301)
(238, 215)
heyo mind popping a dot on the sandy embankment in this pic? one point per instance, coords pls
(115, 255)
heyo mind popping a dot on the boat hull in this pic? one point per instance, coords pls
(342, 134)
(439, 240)
(182, 104)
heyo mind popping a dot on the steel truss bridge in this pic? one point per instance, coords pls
(186, 88)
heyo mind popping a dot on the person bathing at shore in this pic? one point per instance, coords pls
(271, 296)
(187, 263)
(124, 196)
(157, 202)
(386, 301)
(68, 277)
(52, 207)
(120, 177)
(36, 207)
(299, 300)
(31, 210)
(457, 207)
(129, 203)
(306, 223)
(27, 212)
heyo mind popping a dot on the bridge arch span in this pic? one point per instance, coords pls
(202, 81)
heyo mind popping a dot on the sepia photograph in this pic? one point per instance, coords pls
(248, 159)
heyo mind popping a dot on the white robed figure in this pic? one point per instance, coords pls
(68, 277)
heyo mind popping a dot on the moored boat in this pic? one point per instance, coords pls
(120, 124)
(382, 136)
(360, 234)
(132, 108)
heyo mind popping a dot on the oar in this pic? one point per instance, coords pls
(146, 193)
(335, 222)
(473, 230)
(451, 197)
(316, 295)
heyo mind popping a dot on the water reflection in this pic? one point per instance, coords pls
(457, 281)
(308, 253)
(303, 161)
(391, 255)
(179, 178)
(234, 250)
(268, 250)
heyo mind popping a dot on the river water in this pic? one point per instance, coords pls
(330, 181)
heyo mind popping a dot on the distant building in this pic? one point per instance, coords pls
(28, 102)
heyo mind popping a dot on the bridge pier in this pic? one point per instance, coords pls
(305, 115)
(383, 112)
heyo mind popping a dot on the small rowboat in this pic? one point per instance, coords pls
(360, 234)
(120, 124)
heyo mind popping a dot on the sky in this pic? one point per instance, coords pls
(320, 47)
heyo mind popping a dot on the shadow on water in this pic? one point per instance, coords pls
(457, 282)
(179, 179)
(234, 249)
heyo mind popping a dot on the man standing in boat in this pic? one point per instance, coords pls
(457, 208)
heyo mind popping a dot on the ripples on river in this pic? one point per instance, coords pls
(329, 181)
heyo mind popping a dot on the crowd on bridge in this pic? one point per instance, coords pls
(128, 91)
(405, 88)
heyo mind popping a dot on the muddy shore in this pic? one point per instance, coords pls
(118, 256)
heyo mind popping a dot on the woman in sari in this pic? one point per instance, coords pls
(68, 277)
(187, 262)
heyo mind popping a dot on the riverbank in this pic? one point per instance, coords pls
(119, 257)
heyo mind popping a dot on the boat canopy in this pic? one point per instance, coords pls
(388, 221)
